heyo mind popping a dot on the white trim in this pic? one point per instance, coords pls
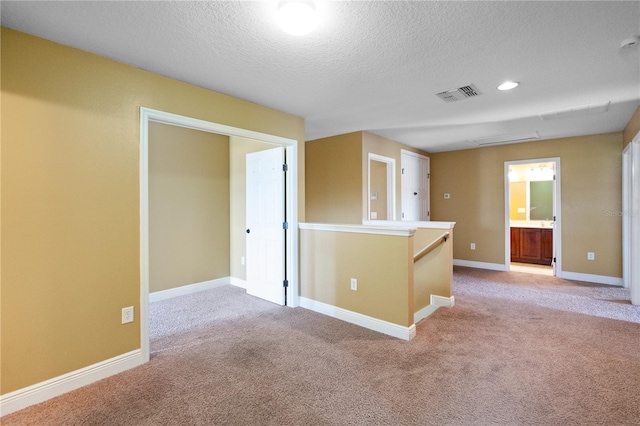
(557, 210)
(391, 184)
(480, 265)
(410, 224)
(359, 229)
(156, 296)
(40, 392)
(627, 196)
(384, 327)
(435, 302)
(238, 282)
(590, 278)
(291, 145)
(634, 221)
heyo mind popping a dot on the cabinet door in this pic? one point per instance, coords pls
(547, 246)
(530, 244)
(515, 244)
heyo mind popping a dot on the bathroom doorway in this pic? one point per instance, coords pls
(532, 216)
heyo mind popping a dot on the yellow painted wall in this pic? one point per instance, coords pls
(70, 199)
(632, 128)
(188, 206)
(378, 178)
(382, 264)
(433, 274)
(337, 173)
(334, 179)
(238, 150)
(590, 185)
(518, 193)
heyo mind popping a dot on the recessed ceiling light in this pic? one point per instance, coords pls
(630, 42)
(508, 85)
(297, 17)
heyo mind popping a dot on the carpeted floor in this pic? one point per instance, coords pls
(516, 349)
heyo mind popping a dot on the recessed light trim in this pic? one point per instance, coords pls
(508, 85)
(297, 17)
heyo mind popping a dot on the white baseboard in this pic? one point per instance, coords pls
(434, 303)
(385, 327)
(238, 282)
(40, 392)
(480, 265)
(590, 278)
(187, 289)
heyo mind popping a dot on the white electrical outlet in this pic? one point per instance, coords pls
(354, 284)
(127, 314)
(374, 215)
(591, 256)
(473, 246)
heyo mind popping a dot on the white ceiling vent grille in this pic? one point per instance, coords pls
(459, 94)
(505, 139)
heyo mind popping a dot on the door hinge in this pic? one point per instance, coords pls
(403, 170)
(403, 215)
(428, 175)
(285, 225)
(554, 260)
(285, 283)
(285, 168)
(554, 218)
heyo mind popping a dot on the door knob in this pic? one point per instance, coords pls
(248, 231)
(415, 193)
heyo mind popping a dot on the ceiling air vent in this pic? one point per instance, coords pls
(505, 139)
(579, 111)
(459, 94)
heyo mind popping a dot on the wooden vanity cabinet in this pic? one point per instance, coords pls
(532, 245)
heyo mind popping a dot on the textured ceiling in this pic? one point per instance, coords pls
(376, 66)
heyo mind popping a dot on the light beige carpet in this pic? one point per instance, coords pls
(499, 357)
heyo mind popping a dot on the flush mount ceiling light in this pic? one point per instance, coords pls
(508, 85)
(297, 17)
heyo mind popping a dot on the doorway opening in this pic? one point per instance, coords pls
(291, 202)
(532, 216)
(381, 184)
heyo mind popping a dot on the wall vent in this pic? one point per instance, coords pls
(505, 139)
(459, 94)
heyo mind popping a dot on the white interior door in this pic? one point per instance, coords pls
(265, 219)
(415, 187)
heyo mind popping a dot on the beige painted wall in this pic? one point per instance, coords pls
(238, 150)
(433, 274)
(590, 185)
(334, 179)
(188, 206)
(382, 264)
(632, 128)
(378, 178)
(70, 199)
(337, 173)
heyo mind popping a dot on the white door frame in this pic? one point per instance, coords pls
(148, 115)
(557, 225)
(631, 218)
(391, 185)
